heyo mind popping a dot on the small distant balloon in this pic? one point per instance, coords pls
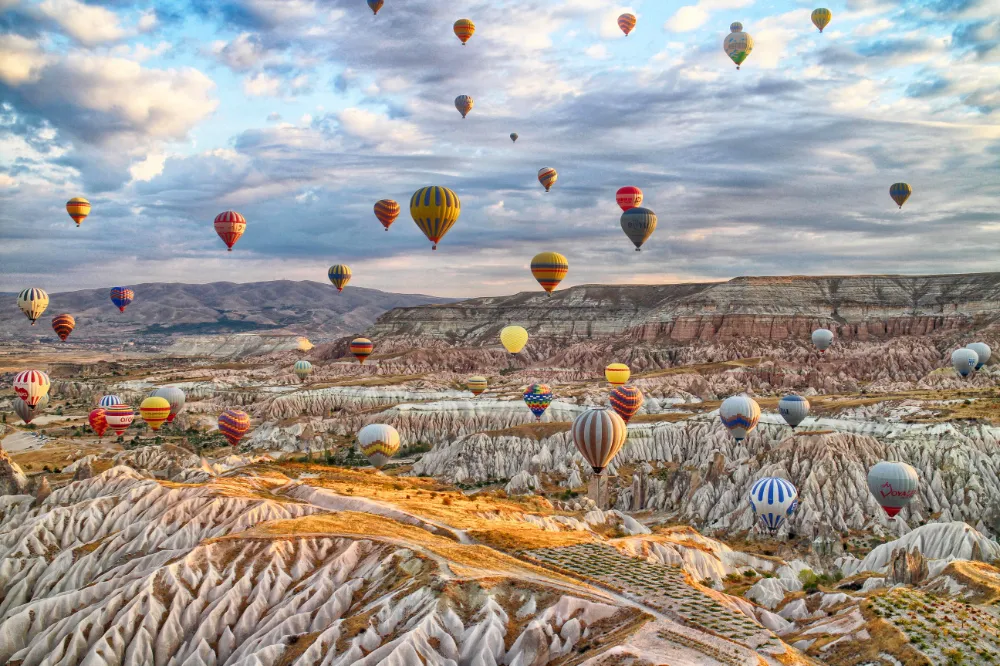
(476, 384)
(31, 386)
(119, 418)
(303, 369)
(464, 29)
(230, 225)
(893, 484)
(900, 192)
(362, 348)
(233, 424)
(617, 374)
(983, 351)
(26, 413)
(547, 176)
(340, 275)
(737, 44)
(78, 209)
(740, 415)
(626, 22)
(964, 361)
(98, 421)
(110, 401)
(155, 411)
(513, 137)
(538, 397)
(32, 302)
(386, 211)
(378, 442)
(549, 268)
(821, 18)
(599, 434)
(513, 338)
(794, 409)
(773, 499)
(121, 297)
(628, 197)
(638, 224)
(464, 104)
(175, 397)
(376, 5)
(63, 325)
(822, 338)
(626, 401)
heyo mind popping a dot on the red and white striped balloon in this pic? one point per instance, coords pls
(31, 386)
(230, 226)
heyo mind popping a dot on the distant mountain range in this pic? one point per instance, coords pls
(161, 311)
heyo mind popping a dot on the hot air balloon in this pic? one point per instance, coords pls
(900, 192)
(794, 409)
(26, 413)
(230, 226)
(983, 351)
(738, 44)
(362, 348)
(893, 484)
(63, 325)
(376, 5)
(110, 401)
(119, 418)
(464, 29)
(476, 384)
(78, 208)
(599, 435)
(617, 374)
(98, 422)
(538, 397)
(435, 210)
(638, 224)
(175, 397)
(628, 197)
(33, 302)
(464, 104)
(121, 297)
(964, 361)
(340, 275)
(739, 414)
(513, 137)
(822, 338)
(378, 442)
(549, 268)
(233, 424)
(513, 338)
(626, 401)
(547, 176)
(303, 369)
(772, 500)
(386, 210)
(31, 386)
(821, 18)
(155, 411)
(626, 22)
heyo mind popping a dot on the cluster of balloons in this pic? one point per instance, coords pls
(970, 358)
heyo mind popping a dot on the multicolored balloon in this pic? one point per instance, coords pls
(121, 297)
(376, 5)
(740, 415)
(26, 413)
(464, 104)
(737, 44)
(119, 418)
(31, 386)
(821, 17)
(233, 424)
(964, 361)
(538, 397)
(822, 338)
(63, 325)
(773, 499)
(435, 210)
(900, 192)
(340, 275)
(386, 210)
(983, 351)
(464, 29)
(98, 422)
(32, 302)
(378, 442)
(513, 137)
(617, 374)
(893, 484)
(476, 384)
(628, 197)
(303, 369)
(626, 401)
(638, 224)
(547, 176)
(599, 434)
(78, 209)
(110, 401)
(549, 268)
(362, 348)
(175, 397)
(794, 409)
(230, 225)
(513, 338)
(626, 22)
(155, 411)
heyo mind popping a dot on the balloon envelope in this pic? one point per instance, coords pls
(110, 401)
(230, 225)
(98, 421)
(628, 197)
(794, 409)
(63, 325)
(78, 209)
(547, 176)
(638, 224)
(121, 297)
(538, 397)
(513, 137)
(549, 268)
(464, 29)
(626, 22)
(617, 374)
(983, 351)
(464, 104)
(31, 386)
(32, 302)
(154, 410)
(964, 361)
(513, 338)
(119, 418)
(821, 18)
(599, 435)
(737, 45)
(900, 192)
(386, 210)
(822, 338)
(340, 275)
(175, 397)
(740, 415)
(25, 412)
(893, 484)
(626, 401)
(376, 5)
(303, 369)
(773, 499)
(378, 442)
(435, 210)
(362, 348)
(476, 384)
(233, 424)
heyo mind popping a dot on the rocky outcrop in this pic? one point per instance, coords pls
(83, 471)
(907, 567)
(12, 479)
(42, 490)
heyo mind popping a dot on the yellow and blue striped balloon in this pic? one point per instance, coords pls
(435, 210)
(547, 176)
(340, 275)
(900, 192)
(821, 17)
(549, 268)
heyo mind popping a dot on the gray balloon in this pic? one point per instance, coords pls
(27, 413)
(638, 224)
(822, 338)
(893, 485)
(794, 409)
(174, 396)
(983, 351)
(964, 361)
(513, 136)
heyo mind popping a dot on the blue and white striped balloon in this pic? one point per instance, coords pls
(110, 401)
(772, 500)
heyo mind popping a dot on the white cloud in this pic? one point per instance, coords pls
(692, 17)
(262, 85)
(873, 27)
(379, 128)
(147, 21)
(597, 52)
(87, 24)
(241, 54)
(7, 182)
(148, 168)
(21, 60)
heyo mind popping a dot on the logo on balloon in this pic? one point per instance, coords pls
(888, 491)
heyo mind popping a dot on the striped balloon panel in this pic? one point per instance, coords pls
(386, 211)
(121, 297)
(464, 104)
(340, 275)
(626, 22)
(435, 210)
(376, 5)
(33, 302)
(230, 225)
(628, 197)
(119, 418)
(626, 401)
(772, 499)
(900, 192)
(476, 384)
(63, 325)
(362, 348)
(98, 421)
(549, 268)
(617, 374)
(154, 410)
(110, 401)
(599, 435)
(464, 29)
(233, 424)
(538, 397)
(78, 209)
(638, 224)
(738, 46)
(175, 397)
(26, 413)
(821, 18)
(31, 386)
(547, 176)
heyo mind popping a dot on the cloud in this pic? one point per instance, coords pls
(692, 17)
(21, 60)
(597, 52)
(87, 24)
(241, 54)
(379, 130)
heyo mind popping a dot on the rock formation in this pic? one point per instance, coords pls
(12, 479)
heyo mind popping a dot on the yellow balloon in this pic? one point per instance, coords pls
(617, 374)
(154, 411)
(513, 338)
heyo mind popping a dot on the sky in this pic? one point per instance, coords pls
(301, 114)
